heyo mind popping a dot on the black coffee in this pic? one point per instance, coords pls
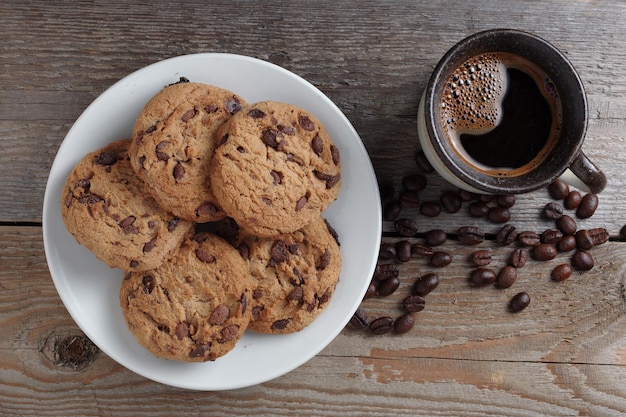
(501, 113)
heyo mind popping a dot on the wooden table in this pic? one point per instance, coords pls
(467, 355)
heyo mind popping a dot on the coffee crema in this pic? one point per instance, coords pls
(501, 114)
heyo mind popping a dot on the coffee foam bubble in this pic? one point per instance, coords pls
(473, 95)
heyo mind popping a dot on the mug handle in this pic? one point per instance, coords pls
(585, 175)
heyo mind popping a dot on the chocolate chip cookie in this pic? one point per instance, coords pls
(193, 308)
(173, 143)
(275, 168)
(106, 208)
(293, 276)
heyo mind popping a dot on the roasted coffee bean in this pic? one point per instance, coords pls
(506, 235)
(499, 214)
(529, 238)
(519, 302)
(558, 190)
(388, 286)
(413, 303)
(404, 323)
(387, 251)
(414, 182)
(435, 237)
(481, 257)
(440, 259)
(421, 250)
(470, 235)
(467, 196)
(392, 210)
(582, 260)
(409, 199)
(450, 201)
(506, 201)
(386, 191)
(430, 209)
(423, 163)
(599, 235)
(381, 325)
(552, 211)
(561, 272)
(371, 290)
(426, 284)
(588, 206)
(478, 209)
(482, 276)
(384, 271)
(584, 240)
(622, 233)
(486, 198)
(573, 199)
(551, 236)
(519, 257)
(566, 224)
(566, 244)
(544, 252)
(406, 227)
(403, 250)
(359, 320)
(506, 276)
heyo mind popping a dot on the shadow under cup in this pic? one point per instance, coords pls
(565, 153)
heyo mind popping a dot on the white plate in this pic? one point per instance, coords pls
(89, 289)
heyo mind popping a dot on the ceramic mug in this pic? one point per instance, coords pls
(505, 112)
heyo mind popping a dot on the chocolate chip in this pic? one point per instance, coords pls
(223, 140)
(324, 260)
(279, 251)
(161, 156)
(172, 224)
(189, 114)
(269, 137)
(306, 123)
(229, 333)
(277, 177)
(206, 209)
(331, 180)
(280, 324)
(89, 199)
(317, 145)
(108, 158)
(182, 330)
(334, 153)
(244, 303)
(200, 350)
(205, 256)
(256, 114)
(295, 294)
(179, 171)
(301, 203)
(210, 108)
(148, 246)
(233, 105)
(127, 225)
(287, 130)
(148, 284)
(219, 315)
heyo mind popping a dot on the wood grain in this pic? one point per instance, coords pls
(565, 355)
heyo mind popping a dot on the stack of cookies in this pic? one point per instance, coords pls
(214, 211)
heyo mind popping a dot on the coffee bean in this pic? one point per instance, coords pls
(506, 277)
(599, 235)
(404, 323)
(426, 284)
(519, 302)
(519, 257)
(582, 260)
(506, 201)
(622, 233)
(414, 182)
(566, 244)
(544, 252)
(558, 190)
(421, 250)
(450, 201)
(430, 209)
(588, 206)
(387, 251)
(359, 320)
(384, 271)
(573, 199)
(409, 199)
(561, 272)
(506, 235)
(552, 211)
(423, 163)
(406, 227)
(467, 196)
(566, 224)
(478, 209)
(435, 237)
(413, 303)
(371, 290)
(388, 286)
(481, 257)
(486, 198)
(482, 276)
(470, 235)
(440, 259)
(386, 191)
(392, 210)
(551, 236)
(584, 240)
(381, 325)
(403, 250)
(499, 214)
(528, 238)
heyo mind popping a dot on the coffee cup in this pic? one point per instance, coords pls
(505, 112)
